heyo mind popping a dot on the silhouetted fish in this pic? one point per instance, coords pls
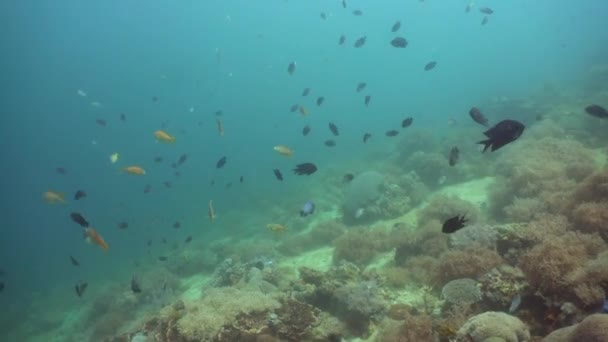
(320, 100)
(597, 111)
(357, 13)
(81, 288)
(348, 178)
(503, 133)
(334, 129)
(188, 239)
(323, 15)
(101, 122)
(305, 169)
(277, 174)
(330, 143)
(486, 10)
(478, 116)
(453, 224)
(291, 68)
(241, 179)
(167, 184)
(76, 217)
(396, 26)
(454, 154)
(485, 20)
(360, 42)
(305, 92)
(306, 130)
(343, 3)
(430, 66)
(361, 86)
(399, 42)
(162, 258)
(135, 287)
(177, 225)
(342, 40)
(294, 108)
(221, 162)
(391, 133)
(366, 137)
(74, 261)
(407, 122)
(80, 194)
(158, 159)
(123, 225)
(123, 117)
(61, 171)
(367, 99)
(182, 159)
(147, 188)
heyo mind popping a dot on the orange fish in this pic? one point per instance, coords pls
(220, 127)
(135, 170)
(163, 136)
(92, 237)
(211, 211)
(303, 111)
(284, 150)
(53, 197)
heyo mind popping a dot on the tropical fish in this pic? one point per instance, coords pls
(430, 66)
(360, 42)
(391, 133)
(276, 227)
(53, 197)
(79, 194)
(454, 154)
(101, 122)
(294, 107)
(597, 111)
(61, 171)
(306, 91)
(163, 136)
(123, 225)
(284, 150)
(485, 20)
(357, 13)
(177, 225)
(515, 303)
(501, 134)
(453, 224)
(320, 100)
(305, 169)
(361, 86)
(407, 122)
(93, 237)
(399, 42)
(368, 98)
(306, 130)
(278, 174)
(81, 92)
(134, 170)
(366, 137)
(76, 217)
(330, 143)
(334, 129)
(114, 157)
(478, 116)
(221, 162)
(182, 159)
(135, 287)
(80, 288)
(303, 111)
(220, 126)
(486, 10)
(342, 40)
(188, 239)
(74, 261)
(307, 209)
(291, 68)
(210, 211)
(396, 26)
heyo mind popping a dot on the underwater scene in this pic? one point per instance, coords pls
(304, 170)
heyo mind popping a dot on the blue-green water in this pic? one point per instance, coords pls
(233, 56)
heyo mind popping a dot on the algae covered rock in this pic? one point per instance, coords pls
(491, 324)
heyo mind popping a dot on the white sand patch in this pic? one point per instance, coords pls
(318, 259)
(193, 287)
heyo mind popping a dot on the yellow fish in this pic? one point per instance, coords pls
(135, 170)
(276, 227)
(114, 157)
(53, 197)
(284, 150)
(303, 111)
(163, 136)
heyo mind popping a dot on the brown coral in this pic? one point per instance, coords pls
(443, 207)
(467, 263)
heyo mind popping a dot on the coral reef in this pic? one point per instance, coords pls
(461, 291)
(361, 245)
(471, 262)
(322, 234)
(362, 193)
(490, 324)
(443, 207)
(594, 328)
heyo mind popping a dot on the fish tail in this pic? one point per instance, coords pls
(486, 143)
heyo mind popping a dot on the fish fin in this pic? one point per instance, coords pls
(486, 143)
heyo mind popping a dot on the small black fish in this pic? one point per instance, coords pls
(81, 288)
(453, 224)
(167, 184)
(147, 188)
(323, 15)
(348, 178)
(357, 13)
(80, 194)
(320, 100)
(101, 122)
(330, 143)
(294, 108)
(182, 159)
(399, 42)
(597, 111)
(162, 258)
(74, 261)
(334, 129)
(123, 225)
(278, 174)
(305, 169)
(291, 68)
(501, 134)
(305, 92)
(486, 10)
(366, 137)
(123, 117)
(430, 66)
(360, 42)
(485, 20)
(343, 3)
(396, 26)
(61, 171)
(241, 179)
(76, 217)
(368, 98)
(306, 130)
(342, 40)
(407, 122)
(478, 116)
(188, 239)
(220, 163)
(158, 159)
(219, 113)
(454, 154)
(361, 86)
(135, 287)
(391, 133)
